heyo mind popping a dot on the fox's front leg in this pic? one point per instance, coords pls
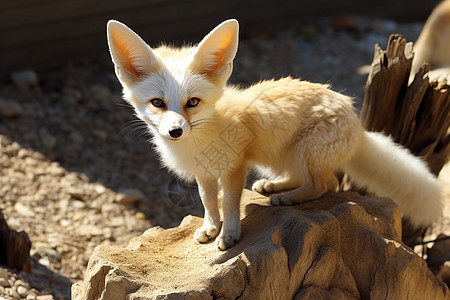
(233, 183)
(208, 189)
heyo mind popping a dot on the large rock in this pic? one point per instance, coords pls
(342, 246)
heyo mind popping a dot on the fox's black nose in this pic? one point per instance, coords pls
(175, 132)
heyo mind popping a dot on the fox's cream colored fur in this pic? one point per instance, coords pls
(433, 43)
(296, 133)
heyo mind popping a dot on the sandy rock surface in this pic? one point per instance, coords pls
(342, 246)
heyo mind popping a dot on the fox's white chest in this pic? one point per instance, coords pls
(207, 158)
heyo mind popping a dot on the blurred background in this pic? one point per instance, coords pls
(42, 34)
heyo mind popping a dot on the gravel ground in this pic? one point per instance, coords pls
(76, 169)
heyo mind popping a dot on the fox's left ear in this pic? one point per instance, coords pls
(215, 53)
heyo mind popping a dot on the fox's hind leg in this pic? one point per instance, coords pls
(266, 187)
(314, 186)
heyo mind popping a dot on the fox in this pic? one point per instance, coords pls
(295, 133)
(433, 44)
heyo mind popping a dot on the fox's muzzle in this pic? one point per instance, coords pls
(174, 126)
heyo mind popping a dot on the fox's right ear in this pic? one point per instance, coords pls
(132, 57)
(214, 55)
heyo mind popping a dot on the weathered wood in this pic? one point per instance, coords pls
(416, 116)
(386, 83)
(14, 247)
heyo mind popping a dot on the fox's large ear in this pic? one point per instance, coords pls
(132, 57)
(215, 53)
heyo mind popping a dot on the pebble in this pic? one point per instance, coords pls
(48, 139)
(76, 192)
(23, 210)
(99, 92)
(4, 282)
(111, 210)
(76, 138)
(22, 291)
(55, 169)
(25, 78)
(140, 215)
(129, 196)
(10, 108)
(89, 230)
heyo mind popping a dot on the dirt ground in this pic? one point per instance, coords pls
(76, 168)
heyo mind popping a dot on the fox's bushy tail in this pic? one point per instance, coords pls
(388, 170)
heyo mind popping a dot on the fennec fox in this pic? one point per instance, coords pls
(296, 133)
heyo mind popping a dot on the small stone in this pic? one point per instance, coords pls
(10, 109)
(48, 252)
(25, 78)
(4, 282)
(23, 210)
(55, 169)
(101, 134)
(99, 92)
(23, 153)
(31, 296)
(117, 222)
(140, 215)
(45, 261)
(89, 230)
(77, 204)
(4, 274)
(129, 196)
(22, 291)
(13, 293)
(76, 192)
(65, 223)
(76, 137)
(47, 139)
(111, 210)
(71, 95)
(99, 189)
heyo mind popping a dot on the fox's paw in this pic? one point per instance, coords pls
(263, 186)
(280, 199)
(206, 232)
(225, 241)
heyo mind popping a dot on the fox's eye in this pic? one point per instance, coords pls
(193, 102)
(157, 103)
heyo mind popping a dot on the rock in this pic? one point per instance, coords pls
(76, 192)
(47, 138)
(4, 282)
(10, 108)
(24, 210)
(342, 246)
(25, 78)
(129, 196)
(89, 230)
(98, 92)
(22, 291)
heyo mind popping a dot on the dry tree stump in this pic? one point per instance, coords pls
(416, 116)
(14, 247)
